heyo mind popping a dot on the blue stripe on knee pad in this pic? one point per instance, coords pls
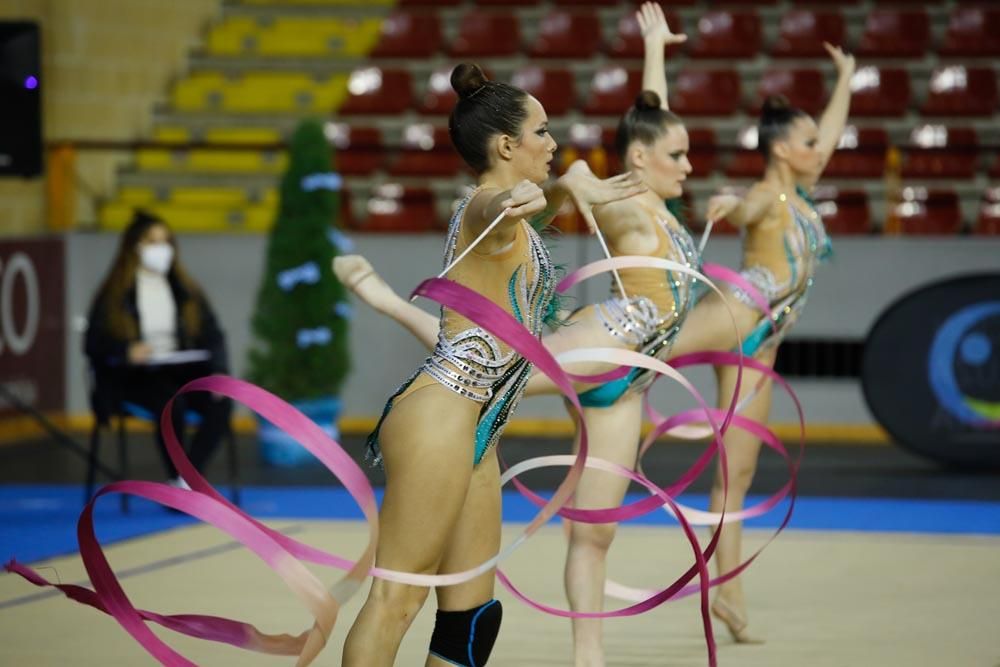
(465, 638)
(472, 629)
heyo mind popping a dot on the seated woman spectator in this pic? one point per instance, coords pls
(150, 331)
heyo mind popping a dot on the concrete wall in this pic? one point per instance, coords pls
(864, 277)
(104, 65)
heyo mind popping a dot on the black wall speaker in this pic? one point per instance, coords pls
(20, 99)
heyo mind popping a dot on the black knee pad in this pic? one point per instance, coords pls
(466, 638)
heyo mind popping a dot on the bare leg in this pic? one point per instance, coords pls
(708, 326)
(613, 435)
(583, 330)
(421, 451)
(474, 540)
(357, 273)
(742, 450)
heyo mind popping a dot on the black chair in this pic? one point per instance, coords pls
(110, 412)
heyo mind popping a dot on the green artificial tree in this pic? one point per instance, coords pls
(299, 349)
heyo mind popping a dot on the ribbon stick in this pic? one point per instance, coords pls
(704, 236)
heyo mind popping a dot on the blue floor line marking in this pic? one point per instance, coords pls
(39, 521)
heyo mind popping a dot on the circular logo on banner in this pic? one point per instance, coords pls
(963, 364)
(931, 370)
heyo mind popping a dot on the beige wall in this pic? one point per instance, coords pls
(105, 64)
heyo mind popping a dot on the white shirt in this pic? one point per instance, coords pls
(157, 311)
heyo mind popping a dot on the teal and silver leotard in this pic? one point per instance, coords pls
(806, 245)
(468, 359)
(650, 318)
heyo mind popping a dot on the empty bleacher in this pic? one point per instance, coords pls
(924, 114)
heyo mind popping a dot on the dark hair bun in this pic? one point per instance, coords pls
(775, 105)
(647, 101)
(467, 79)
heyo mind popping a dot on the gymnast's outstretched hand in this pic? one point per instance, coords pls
(588, 191)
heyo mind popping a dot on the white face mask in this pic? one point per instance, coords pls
(156, 257)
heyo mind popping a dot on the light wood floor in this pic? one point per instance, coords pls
(821, 599)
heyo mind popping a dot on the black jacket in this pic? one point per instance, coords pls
(105, 350)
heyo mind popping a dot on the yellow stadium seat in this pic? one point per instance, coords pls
(295, 36)
(171, 135)
(269, 91)
(234, 161)
(115, 216)
(157, 159)
(182, 218)
(211, 160)
(259, 218)
(208, 197)
(230, 36)
(136, 195)
(242, 135)
(194, 92)
(330, 94)
(332, 3)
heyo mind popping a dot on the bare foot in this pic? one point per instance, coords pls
(358, 275)
(735, 620)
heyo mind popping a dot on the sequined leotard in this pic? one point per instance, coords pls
(469, 360)
(806, 243)
(650, 318)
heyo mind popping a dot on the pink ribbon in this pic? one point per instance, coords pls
(283, 553)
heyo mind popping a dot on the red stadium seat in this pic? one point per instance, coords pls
(508, 3)
(426, 151)
(439, 97)
(567, 34)
(988, 222)
(357, 150)
(936, 151)
(673, 3)
(409, 35)
(585, 3)
(552, 87)
(428, 3)
(613, 90)
(844, 212)
(955, 90)
(346, 220)
(727, 34)
(891, 33)
(612, 164)
(927, 213)
(803, 31)
(705, 92)
(702, 151)
(393, 208)
(749, 2)
(880, 91)
(804, 88)
(483, 33)
(860, 154)
(746, 162)
(627, 42)
(372, 90)
(973, 31)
